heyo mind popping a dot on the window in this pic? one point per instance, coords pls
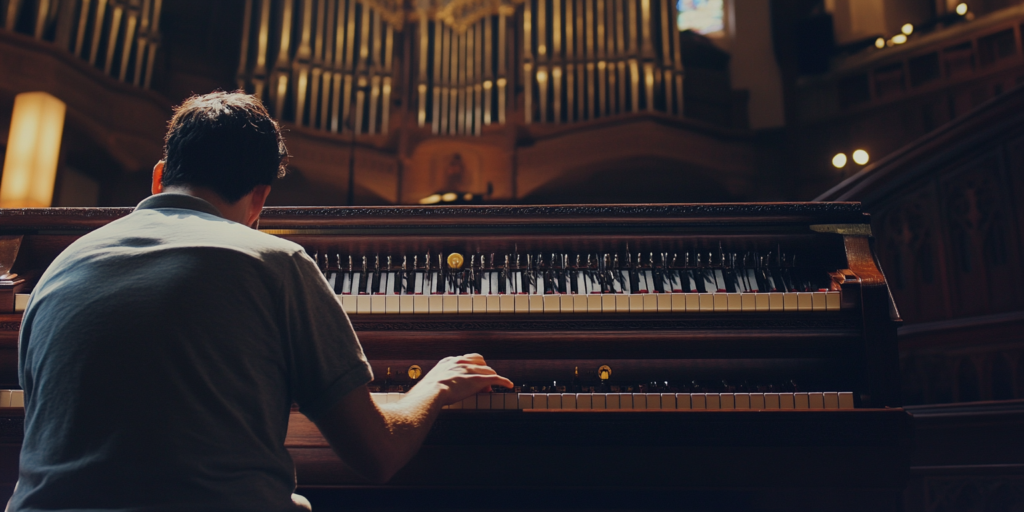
(701, 16)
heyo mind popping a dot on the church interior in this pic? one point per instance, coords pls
(562, 118)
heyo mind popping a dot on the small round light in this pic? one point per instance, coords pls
(839, 161)
(907, 29)
(468, 197)
(431, 199)
(899, 39)
(861, 157)
(961, 9)
(449, 197)
(880, 43)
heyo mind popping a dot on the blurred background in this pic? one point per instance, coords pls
(909, 106)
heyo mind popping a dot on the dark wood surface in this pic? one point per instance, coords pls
(757, 455)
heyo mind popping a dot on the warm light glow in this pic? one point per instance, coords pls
(907, 29)
(701, 16)
(431, 199)
(880, 43)
(839, 161)
(899, 39)
(33, 149)
(487, 85)
(449, 197)
(501, 82)
(468, 197)
(961, 9)
(542, 75)
(861, 157)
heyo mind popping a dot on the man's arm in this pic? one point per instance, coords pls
(378, 440)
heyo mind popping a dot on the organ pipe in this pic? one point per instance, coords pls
(120, 37)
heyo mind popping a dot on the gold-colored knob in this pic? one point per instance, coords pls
(415, 372)
(604, 372)
(455, 260)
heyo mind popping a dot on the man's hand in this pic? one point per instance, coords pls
(459, 377)
(377, 440)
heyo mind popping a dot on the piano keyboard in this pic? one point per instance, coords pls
(602, 284)
(646, 401)
(12, 398)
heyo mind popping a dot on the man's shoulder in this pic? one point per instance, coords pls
(181, 229)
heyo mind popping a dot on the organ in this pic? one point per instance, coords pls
(657, 350)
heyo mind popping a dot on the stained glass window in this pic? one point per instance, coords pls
(701, 16)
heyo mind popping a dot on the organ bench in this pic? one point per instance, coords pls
(736, 352)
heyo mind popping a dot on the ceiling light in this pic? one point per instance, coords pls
(899, 39)
(961, 9)
(860, 157)
(431, 199)
(880, 43)
(449, 197)
(33, 151)
(839, 161)
(907, 29)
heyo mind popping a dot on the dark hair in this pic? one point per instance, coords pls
(224, 141)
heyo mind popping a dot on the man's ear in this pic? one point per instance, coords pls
(158, 177)
(258, 197)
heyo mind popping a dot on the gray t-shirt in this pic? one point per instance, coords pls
(160, 356)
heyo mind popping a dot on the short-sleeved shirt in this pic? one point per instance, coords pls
(160, 356)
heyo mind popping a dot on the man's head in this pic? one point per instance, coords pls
(225, 142)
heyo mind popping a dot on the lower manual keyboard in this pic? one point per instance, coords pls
(646, 401)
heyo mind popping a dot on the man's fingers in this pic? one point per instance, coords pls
(471, 359)
(476, 369)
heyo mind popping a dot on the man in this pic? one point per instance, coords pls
(161, 353)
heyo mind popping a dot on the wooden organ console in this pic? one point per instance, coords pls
(660, 352)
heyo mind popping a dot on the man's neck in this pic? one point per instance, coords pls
(237, 211)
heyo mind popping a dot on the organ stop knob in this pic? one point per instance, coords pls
(455, 260)
(415, 372)
(604, 372)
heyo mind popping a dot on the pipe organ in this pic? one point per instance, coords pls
(324, 64)
(329, 64)
(121, 37)
(586, 59)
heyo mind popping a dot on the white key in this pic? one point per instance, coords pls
(650, 281)
(639, 401)
(511, 400)
(599, 401)
(428, 283)
(389, 283)
(621, 285)
(581, 283)
(612, 401)
(332, 279)
(831, 400)
(485, 285)
(698, 401)
(5, 398)
(417, 283)
(683, 401)
(394, 397)
(355, 284)
(752, 280)
(483, 401)
(816, 400)
(554, 401)
(568, 400)
(668, 400)
(654, 401)
(801, 401)
(845, 400)
(494, 279)
(675, 282)
(584, 401)
(666, 281)
(692, 286)
(710, 286)
(526, 400)
(720, 279)
(346, 283)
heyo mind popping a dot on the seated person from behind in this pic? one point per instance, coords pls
(160, 354)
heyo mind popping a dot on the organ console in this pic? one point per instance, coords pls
(657, 350)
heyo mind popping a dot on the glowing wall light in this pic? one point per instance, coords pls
(961, 9)
(907, 29)
(33, 149)
(861, 157)
(839, 161)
